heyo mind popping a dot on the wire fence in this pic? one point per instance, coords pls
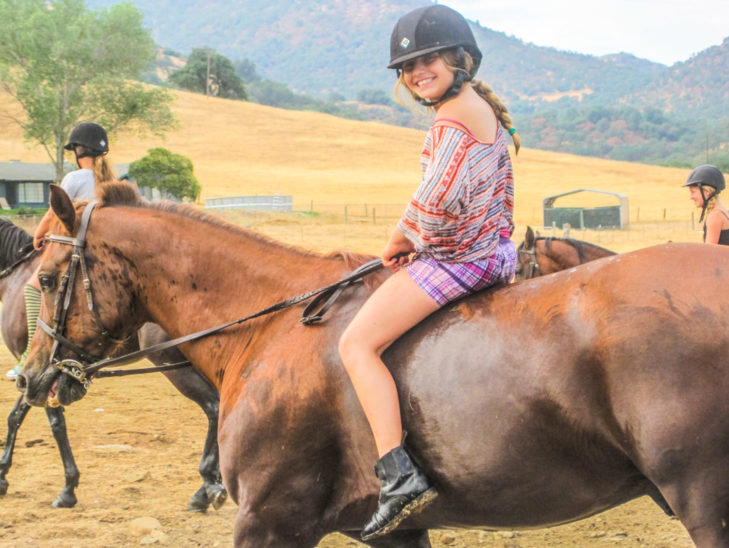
(355, 213)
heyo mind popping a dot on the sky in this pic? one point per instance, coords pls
(664, 31)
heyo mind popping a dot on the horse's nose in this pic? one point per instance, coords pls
(21, 383)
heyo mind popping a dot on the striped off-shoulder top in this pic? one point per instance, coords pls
(466, 198)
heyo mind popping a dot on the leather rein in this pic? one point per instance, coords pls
(89, 366)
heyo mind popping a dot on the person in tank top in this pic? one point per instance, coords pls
(705, 183)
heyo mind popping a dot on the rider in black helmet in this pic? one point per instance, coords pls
(458, 224)
(705, 184)
(89, 143)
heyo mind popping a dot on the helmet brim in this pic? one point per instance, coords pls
(398, 61)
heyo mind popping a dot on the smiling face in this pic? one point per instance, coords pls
(695, 195)
(428, 76)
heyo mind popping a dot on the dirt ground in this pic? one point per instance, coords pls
(137, 443)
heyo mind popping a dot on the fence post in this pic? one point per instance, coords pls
(345, 215)
(374, 218)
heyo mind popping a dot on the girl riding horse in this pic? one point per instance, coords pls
(458, 224)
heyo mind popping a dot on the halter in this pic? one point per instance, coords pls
(89, 365)
(534, 268)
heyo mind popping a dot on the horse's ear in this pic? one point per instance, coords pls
(62, 206)
(529, 238)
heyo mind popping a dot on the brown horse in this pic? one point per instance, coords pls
(531, 405)
(17, 263)
(538, 255)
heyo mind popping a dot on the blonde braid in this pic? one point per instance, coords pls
(711, 203)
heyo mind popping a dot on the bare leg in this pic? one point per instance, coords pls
(396, 306)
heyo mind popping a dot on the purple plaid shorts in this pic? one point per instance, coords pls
(446, 282)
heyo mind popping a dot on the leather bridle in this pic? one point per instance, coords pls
(534, 269)
(77, 263)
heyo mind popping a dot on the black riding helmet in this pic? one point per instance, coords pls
(706, 175)
(91, 136)
(430, 29)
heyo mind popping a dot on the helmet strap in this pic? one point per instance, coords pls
(705, 200)
(459, 78)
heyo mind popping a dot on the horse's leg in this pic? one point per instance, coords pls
(67, 498)
(250, 531)
(699, 494)
(15, 419)
(409, 538)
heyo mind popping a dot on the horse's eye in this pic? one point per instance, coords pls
(47, 282)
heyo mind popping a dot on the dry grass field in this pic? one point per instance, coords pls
(240, 148)
(325, 163)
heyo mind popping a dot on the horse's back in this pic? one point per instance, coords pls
(572, 376)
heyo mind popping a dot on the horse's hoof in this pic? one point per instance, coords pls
(216, 494)
(3, 487)
(199, 501)
(65, 501)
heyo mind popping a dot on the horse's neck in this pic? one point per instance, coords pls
(212, 273)
(560, 259)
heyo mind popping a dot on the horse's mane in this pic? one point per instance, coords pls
(583, 248)
(14, 241)
(126, 194)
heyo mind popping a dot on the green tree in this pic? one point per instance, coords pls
(63, 63)
(209, 73)
(246, 69)
(374, 97)
(168, 172)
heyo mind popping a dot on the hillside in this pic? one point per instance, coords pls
(614, 106)
(240, 148)
(698, 86)
(342, 46)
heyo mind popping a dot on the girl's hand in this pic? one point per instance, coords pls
(397, 251)
(397, 260)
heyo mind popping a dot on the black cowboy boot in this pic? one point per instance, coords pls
(404, 490)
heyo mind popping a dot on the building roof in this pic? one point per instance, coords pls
(23, 171)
